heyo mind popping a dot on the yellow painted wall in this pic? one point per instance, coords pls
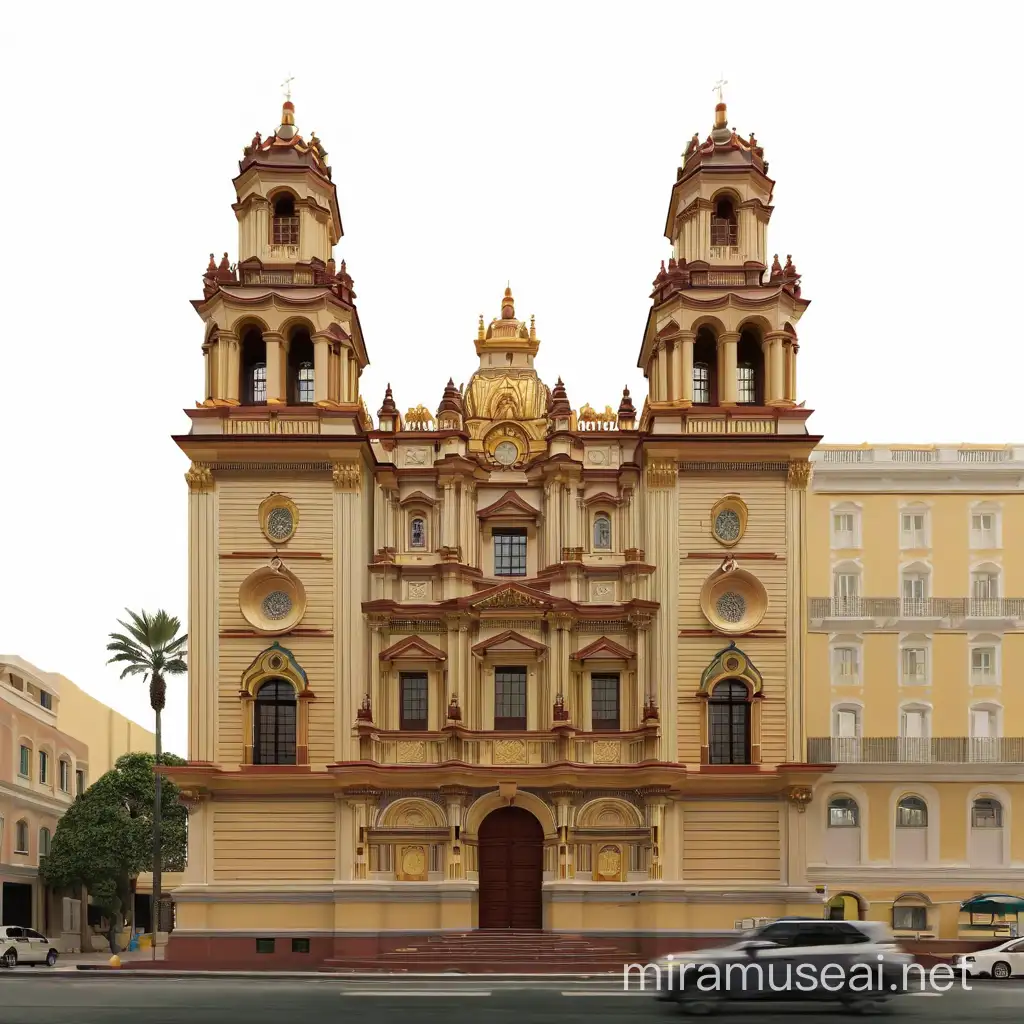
(734, 841)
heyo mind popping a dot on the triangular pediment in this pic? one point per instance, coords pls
(510, 595)
(417, 498)
(412, 648)
(604, 649)
(509, 642)
(509, 506)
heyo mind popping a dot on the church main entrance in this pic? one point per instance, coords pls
(511, 869)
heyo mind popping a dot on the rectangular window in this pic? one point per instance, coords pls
(746, 384)
(984, 586)
(413, 696)
(604, 702)
(844, 665)
(25, 764)
(300, 945)
(305, 384)
(65, 777)
(509, 699)
(79, 782)
(509, 552)
(264, 945)
(701, 384)
(912, 530)
(286, 231)
(912, 725)
(915, 665)
(846, 725)
(843, 530)
(847, 585)
(983, 665)
(910, 919)
(46, 700)
(44, 767)
(983, 530)
(982, 725)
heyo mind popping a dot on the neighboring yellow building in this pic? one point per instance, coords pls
(914, 659)
(55, 741)
(507, 664)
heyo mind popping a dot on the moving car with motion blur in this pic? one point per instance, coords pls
(24, 946)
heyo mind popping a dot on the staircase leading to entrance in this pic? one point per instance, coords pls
(501, 951)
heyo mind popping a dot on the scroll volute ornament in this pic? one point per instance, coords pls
(729, 520)
(272, 599)
(733, 600)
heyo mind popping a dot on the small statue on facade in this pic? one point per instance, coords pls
(365, 712)
(454, 711)
(560, 712)
(651, 713)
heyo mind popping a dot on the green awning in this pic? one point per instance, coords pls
(993, 903)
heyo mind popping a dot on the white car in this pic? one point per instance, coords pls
(857, 963)
(25, 946)
(1005, 961)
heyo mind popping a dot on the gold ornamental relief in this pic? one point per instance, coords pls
(412, 752)
(503, 395)
(662, 474)
(199, 477)
(607, 752)
(347, 476)
(799, 475)
(608, 864)
(413, 864)
(733, 600)
(509, 752)
(272, 599)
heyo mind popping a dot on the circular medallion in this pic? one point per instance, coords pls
(506, 453)
(280, 524)
(727, 524)
(414, 863)
(731, 606)
(276, 605)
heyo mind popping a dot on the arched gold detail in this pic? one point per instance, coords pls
(608, 812)
(412, 812)
(276, 662)
(268, 506)
(507, 433)
(733, 600)
(272, 599)
(492, 801)
(729, 520)
(608, 863)
(730, 663)
(199, 477)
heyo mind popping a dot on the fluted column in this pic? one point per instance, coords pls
(775, 380)
(685, 347)
(728, 393)
(321, 363)
(203, 584)
(275, 366)
(350, 665)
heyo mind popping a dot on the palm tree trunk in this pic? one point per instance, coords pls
(157, 807)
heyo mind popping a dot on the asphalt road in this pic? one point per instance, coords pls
(38, 998)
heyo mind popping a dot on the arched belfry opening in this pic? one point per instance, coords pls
(750, 368)
(301, 381)
(724, 228)
(253, 385)
(705, 367)
(285, 222)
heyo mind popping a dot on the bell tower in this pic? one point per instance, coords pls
(721, 334)
(282, 331)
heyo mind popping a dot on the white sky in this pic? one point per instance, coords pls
(471, 144)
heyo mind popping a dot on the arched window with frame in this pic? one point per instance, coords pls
(44, 842)
(986, 813)
(729, 723)
(724, 228)
(21, 837)
(417, 533)
(285, 222)
(602, 532)
(988, 846)
(275, 725)
(843, 812)
(911, 812)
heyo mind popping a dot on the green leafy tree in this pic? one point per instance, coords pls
(151, 647)
(104, 840)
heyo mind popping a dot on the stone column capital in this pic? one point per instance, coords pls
(728, 337)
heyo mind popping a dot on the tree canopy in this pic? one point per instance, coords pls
(105, 838)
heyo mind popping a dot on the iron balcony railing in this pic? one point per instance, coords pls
(916, 607)
(915, 750)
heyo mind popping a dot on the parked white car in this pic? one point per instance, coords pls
(1003, 961)
(25, 946)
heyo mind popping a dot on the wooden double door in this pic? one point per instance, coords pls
(511, 869)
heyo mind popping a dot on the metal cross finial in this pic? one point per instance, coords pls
(287, 86)
(718, 87)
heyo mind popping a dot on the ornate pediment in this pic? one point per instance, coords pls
(730, 663)
(509, 642)
(604, 649)
(509, 506)
(413, 648)
(510, 596)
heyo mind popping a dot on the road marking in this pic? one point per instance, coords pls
(939, 995)
(605, 995)
(405, 994)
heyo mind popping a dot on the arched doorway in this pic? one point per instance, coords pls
(511, 869)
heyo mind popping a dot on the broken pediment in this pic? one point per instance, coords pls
(510, 596)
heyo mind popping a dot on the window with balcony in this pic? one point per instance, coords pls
(915, 733)
(846, 661)
(846, 730)
(413, 701)
(285, 222)
(985, 527)
(25, 761)
(984, 654)
(914, 529)
(750, 368)
(604, 702)
(914, 660)
(986, 726)
(985, 589)
(846, 589)
(845, 526)
(915, 588)
(509, 551)
(509, 699)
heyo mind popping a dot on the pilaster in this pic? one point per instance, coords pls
(797, 481)
(321, 361)
(685, 346)
(350, 568)
(204, 572)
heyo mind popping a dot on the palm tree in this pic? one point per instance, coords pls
(150, 647)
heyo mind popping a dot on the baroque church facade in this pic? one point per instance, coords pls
(502, 663)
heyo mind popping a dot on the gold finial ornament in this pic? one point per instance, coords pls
(287, 129)
(721, 114)
(533, 326)
(480, 332)
(508, 305)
